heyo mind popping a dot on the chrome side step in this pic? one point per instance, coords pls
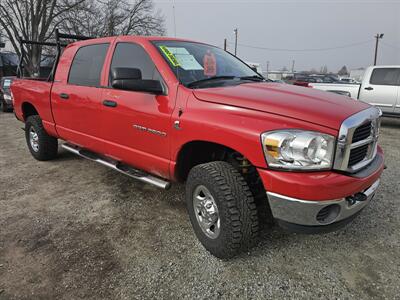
(117, 166)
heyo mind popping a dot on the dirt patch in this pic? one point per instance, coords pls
(71, 229)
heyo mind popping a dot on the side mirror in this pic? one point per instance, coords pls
(131, 79)
(125, 73)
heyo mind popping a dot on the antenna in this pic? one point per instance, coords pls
(173, 11)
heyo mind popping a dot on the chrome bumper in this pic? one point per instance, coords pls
(8, 100)
(308, 213)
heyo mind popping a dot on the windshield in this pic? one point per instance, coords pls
(195, 63)
(6, 83)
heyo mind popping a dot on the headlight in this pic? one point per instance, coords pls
(298, 149)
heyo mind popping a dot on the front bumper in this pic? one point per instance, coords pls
(320, 201)
(294, 211)
(8, 101)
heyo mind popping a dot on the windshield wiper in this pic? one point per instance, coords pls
(197, 82)
(214, 78)
(253, 78)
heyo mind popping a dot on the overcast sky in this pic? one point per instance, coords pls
(293, 25)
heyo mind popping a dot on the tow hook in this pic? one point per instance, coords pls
(359, 197)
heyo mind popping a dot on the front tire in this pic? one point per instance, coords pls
(41, 145)
(221, 209)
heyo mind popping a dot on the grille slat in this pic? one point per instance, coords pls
(362, 132)
(358, 154)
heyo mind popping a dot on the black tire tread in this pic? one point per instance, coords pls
(3, 106)
(48, 145)
(241, 213)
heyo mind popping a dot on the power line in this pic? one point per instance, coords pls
(390, 45)
(305, 50)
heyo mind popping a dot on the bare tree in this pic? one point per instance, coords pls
(115, 17)
(2, 37)
(37, 20)
(33, 20)
(343, 71)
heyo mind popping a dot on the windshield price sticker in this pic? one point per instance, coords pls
(171, 57)
(188, 62)
(180, 57)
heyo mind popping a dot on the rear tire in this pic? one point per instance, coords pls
(3, 106)
(218, 189)
(41, 145)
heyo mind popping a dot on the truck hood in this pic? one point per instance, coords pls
(306, 104)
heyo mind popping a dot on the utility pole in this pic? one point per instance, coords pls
(378, 37)
(293, 62)
(267, 68)
(225, 44)
(236, 39)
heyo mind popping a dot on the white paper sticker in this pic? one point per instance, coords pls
(185, 59)
(178, 50)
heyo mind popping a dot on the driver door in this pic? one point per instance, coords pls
(137, 125)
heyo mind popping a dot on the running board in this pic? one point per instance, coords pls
(117, 166)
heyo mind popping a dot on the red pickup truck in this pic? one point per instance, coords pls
(166, 110)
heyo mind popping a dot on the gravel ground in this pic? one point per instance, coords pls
(73, 229)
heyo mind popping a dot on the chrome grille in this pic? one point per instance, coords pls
(362, 132)
(357, 155)
(357, 141)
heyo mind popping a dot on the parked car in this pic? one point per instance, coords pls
(164, 110)
(329, 78)
(8, 63)
(6, 101)
(348, 80)
(380, 87)
(305, 80)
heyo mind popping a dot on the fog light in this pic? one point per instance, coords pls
(328, 214)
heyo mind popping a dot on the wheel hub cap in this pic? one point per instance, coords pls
(34, 139)
(206, 212)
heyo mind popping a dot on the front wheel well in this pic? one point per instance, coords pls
(200, 152)
(28, 110)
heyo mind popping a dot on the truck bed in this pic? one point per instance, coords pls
(36, 92)
(351, 89)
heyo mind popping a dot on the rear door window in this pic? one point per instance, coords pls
(87, 65)
(385, 76)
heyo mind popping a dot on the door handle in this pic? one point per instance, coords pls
(369, 88)
(110, 103)
(64, 96)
